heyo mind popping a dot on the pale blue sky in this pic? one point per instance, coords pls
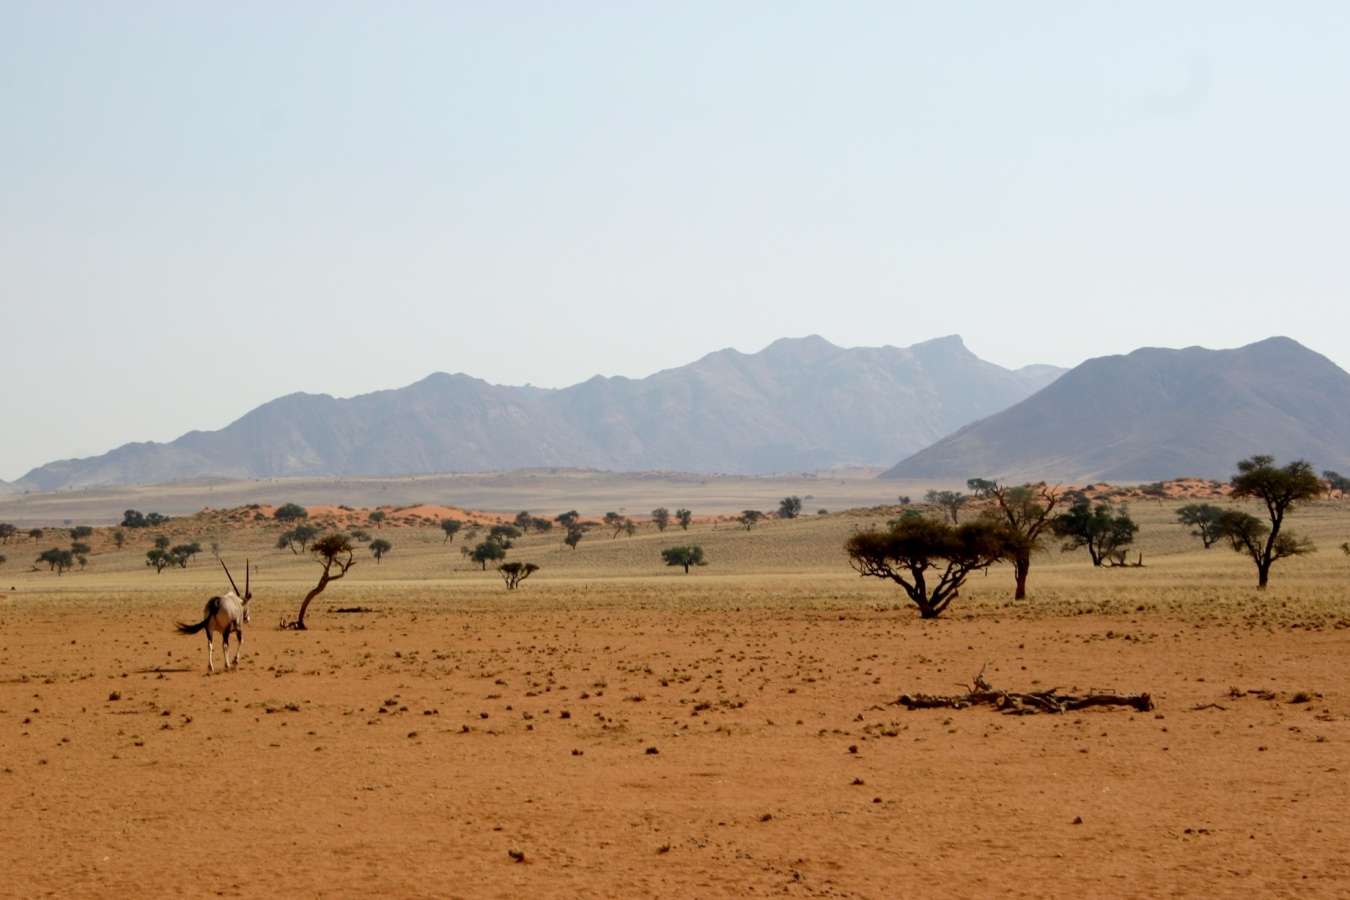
(204, 206)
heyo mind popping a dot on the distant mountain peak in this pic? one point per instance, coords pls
(799, 404)
(1157, 413)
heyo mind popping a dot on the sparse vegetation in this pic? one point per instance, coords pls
(691, 555)
(334, 554)
(661, 518)
(950, 502)
(915, 549)
(1027, 511)
(1281, 489)
(1205, 520)
(1103, 529)
(290, 512)
(451, 527)
(136, 519)
(513, 573)
(57, 560)
(378, 548)
(486, 552)
(158, 558)
(684, 517)
(7, 531)
(377, 518)
(749, 518)
(790, 507)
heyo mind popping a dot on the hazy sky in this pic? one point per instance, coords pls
(204, 206)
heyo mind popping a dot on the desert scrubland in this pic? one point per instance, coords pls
(616, 727)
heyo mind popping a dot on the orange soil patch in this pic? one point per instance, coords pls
(665, 752)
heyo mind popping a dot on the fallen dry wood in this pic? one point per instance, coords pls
(1013, 702)
(982, 694)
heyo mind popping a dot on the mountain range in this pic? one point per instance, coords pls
(1155, 414)
(800, 404)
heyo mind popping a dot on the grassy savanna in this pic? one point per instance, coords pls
(628, 729)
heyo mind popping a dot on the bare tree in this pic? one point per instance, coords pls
(333, 553)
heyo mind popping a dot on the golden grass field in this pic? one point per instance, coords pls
(633, 731)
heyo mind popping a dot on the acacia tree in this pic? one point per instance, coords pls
(513, 573)
(661, 516)
(35, 534)
(183, 553)
(119, 538)
(615, 521)
(1280, 489)
(81, 532)
(297, 538)
(1027, 510)
(684, 556)
(568, 519)
(1337, 484)
(451, 527)
(379, 547)
(504, 535)
(1103, 529)
(1204, 519)
(684, 517)
(377, 516)
(574, 535)
(913, 550)
(487, 551)
(790, 507)
(7, 531)
(749, 518)
(57, 560)
(159, 558)
(290, 512)
(333, 552)
(950, 502)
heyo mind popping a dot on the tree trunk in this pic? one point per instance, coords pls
(1262, 575)
(1021, 566)
(686, 568)
(304, 605)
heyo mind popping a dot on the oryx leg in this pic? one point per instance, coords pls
(239, 645)
(225, 648)
(210, 653)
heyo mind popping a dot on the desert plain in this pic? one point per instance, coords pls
(616, 727)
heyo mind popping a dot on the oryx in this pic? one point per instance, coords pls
(224, 614)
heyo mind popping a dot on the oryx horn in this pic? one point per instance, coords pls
(229, 576)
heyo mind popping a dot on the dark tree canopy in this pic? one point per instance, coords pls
(451, 527)
(503, 535)
(1027, 510)
(790, 507)
(57, 560)
(297, 538)
(749, 518)
(684, 517)
(513, 573)
(616, 522)
(684, 556)
(7, 531)
(661, 517)
(574, 535)
(379, 547)
(950, 502)
(1280, 489)
(916, 550)
(486, 552)
(1103, 529)
(162, 542)
(135, 519)
(159, 558)
(119, 538)
(290, 512)
(377, 516)
(1337, 484)
(1203, 519)
(568, 519)
(80, 532)
(79, 548)
(182, 553)
(36, 533)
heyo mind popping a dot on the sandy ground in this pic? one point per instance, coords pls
(667, 752)
(633, 731)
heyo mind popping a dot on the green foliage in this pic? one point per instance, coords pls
(684, 517)
(135, 519)
(487, 552)
(950, 502)
(183, 553)
(1103, 529)
(540, 524)
(451, 527)
(7, 531)
(379, 547)
(81, 532)
(1203, 519)
(1281, 489)
(1027, 512)
(297, 538)
(332, 547)
(57, 560)
(574, 535)
(916, 549)
(749, 518)
(360, 535)
(522, 520)
(661, 517)
(629, 527)
(377, 516)
(119, 538)
(290, 512)
(79, 548)
(503, 535)
(159, 558)
(513, 573)
(790, 507)
(691, 555)
(162, 542)
(568, 519)
(35, 533)
(616, 521)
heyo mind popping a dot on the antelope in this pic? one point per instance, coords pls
(224, 614)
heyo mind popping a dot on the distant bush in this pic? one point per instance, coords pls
(290, 512)
(684, 556)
